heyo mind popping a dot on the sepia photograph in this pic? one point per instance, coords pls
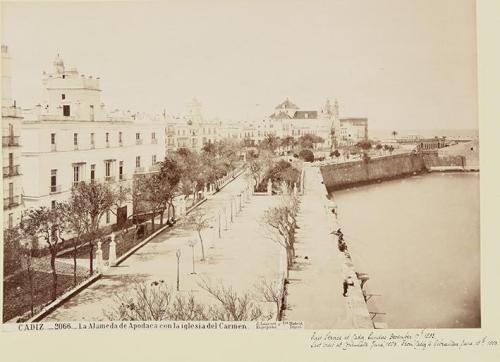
(288, 164)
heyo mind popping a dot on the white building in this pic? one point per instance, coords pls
(191, 131)
(289, 120)
(71, 138)
(11, 150)
(352, 131)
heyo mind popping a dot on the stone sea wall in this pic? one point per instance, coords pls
(348, 174)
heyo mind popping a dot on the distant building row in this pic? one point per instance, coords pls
(70, 137)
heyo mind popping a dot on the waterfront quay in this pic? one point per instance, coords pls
(315, 293)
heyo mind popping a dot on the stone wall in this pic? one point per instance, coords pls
(342, 175)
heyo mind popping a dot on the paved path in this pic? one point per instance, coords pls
(239, 259)
(315, 289)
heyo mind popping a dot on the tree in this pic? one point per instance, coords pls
(364, 145)
(94, 199)
(233, 306)
(270, 143)
(310, 140)
(78, 224)
(47, 224)
(273, 292)
(279, 224)
(335, 153)
(27, 250)
(394, 134)
(198, 221)
(307, 155)
(156, 301)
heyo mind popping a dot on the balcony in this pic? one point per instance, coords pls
(110, 178)
(92, 146)
(76, 183)
(154, 141)
(154, 168)
(53, 147)
(107, 144)
(75, 147)
(122, 177)
(9, 171)
(54, 189)
(10, 141)
(139, 170)
(138, 141)
(120, 143)
(11, 202)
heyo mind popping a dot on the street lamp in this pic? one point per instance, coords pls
(192, 243)
(178, 255)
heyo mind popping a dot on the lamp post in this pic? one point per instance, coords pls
(192, 243)
(219, 225)
(178, 255)
(231, 201)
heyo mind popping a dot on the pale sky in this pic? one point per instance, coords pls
(401, 63)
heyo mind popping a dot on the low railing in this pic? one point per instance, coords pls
(10, 141)
(109, 178)
(55, 189)
(53, 147)
(11, 201)
(92, 146)
(122, 177)
(9, 171)
(138, 141)
(76, 183)
(154, 141)
(75, 147)
(107, 144)
(120, 143)
(139, 169)
(154, 168)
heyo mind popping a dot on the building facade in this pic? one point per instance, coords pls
(11, 149)
(71, 138)
(352, 131)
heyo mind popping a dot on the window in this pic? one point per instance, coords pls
(92, 140)
(120, 137)
(120, 170)
(64, 76)
(92, 172)
(66, 111)
(53, 204)
(11, 192)
(76, 173)
(75, 139)
(63, 96)
(108, 168)
(11, 220)
(107, 216)
(138, 161)
(153, 136)
(137, 136)
(92, 113)
(107, 137)
(153, 160)
(53, 180)
(52, 138)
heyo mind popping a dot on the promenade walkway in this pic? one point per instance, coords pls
(240, 258)
(315, 289)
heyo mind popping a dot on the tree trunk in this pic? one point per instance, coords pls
(91, 256)
(161, 216)
(54, 273)
(202, 247)
(30, 279)
(75, 244)
(153, 222)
